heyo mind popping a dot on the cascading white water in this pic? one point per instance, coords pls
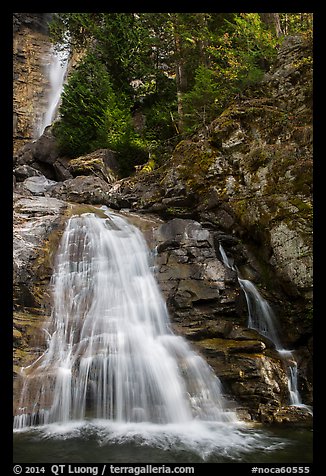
(261, 318)
(295, 398)
(111, 354)
(56, 73)
(260, 314)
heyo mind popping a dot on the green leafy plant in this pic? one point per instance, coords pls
(237, 58)
(94, 116)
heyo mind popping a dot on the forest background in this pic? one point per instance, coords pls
(148, 80)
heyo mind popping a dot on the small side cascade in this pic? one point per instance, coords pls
(262, 318)
(295, 398)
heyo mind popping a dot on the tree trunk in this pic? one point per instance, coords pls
(272, 20)
(203, 57)
(180, 74)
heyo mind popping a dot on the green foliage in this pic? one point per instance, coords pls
(296, 23)
(159, 124)
(158, 109)
(131, 152)
(160, 65)
(119, 40)
(83, 125)
(236, 59)
(94, 116)
(120, 44)
(201, 103)
(256, 43)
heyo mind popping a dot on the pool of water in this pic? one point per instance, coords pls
(199, 442)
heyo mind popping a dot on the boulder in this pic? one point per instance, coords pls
(82, 189)
(61, 169)
(45, 149)
(38, 185)
(25, 171)
(39, 154)
(34, 220)
(101, 163)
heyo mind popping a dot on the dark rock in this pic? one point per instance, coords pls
(45, 149)
(167, 245)
(35, 21)
(228, 241)
(23, 172)
(178, 201)
(61, 169)
(216, 346)
(38, 185)
(82, 189)
(190, 275)
(101, 163)
(40, 154)
(25, 156)
(180, 229)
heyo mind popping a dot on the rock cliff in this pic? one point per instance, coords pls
(250, 176)
(251, 172)
(31, 50)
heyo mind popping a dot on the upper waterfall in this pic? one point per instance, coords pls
(56, 72)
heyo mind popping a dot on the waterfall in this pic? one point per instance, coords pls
(260, 314)
(56, 72)
(295, 398)
(262, 318)
(111, 354)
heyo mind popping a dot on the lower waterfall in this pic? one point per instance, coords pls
(111, 354)
(112, 363)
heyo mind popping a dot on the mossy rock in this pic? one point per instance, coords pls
(101, 162)
(81, 166)
(81, 208)
(28, 327)
(231, 346)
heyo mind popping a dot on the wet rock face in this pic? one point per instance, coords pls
(250, 175)
(34, 220)
(187, 261)
(37, 222)
(207, 306)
